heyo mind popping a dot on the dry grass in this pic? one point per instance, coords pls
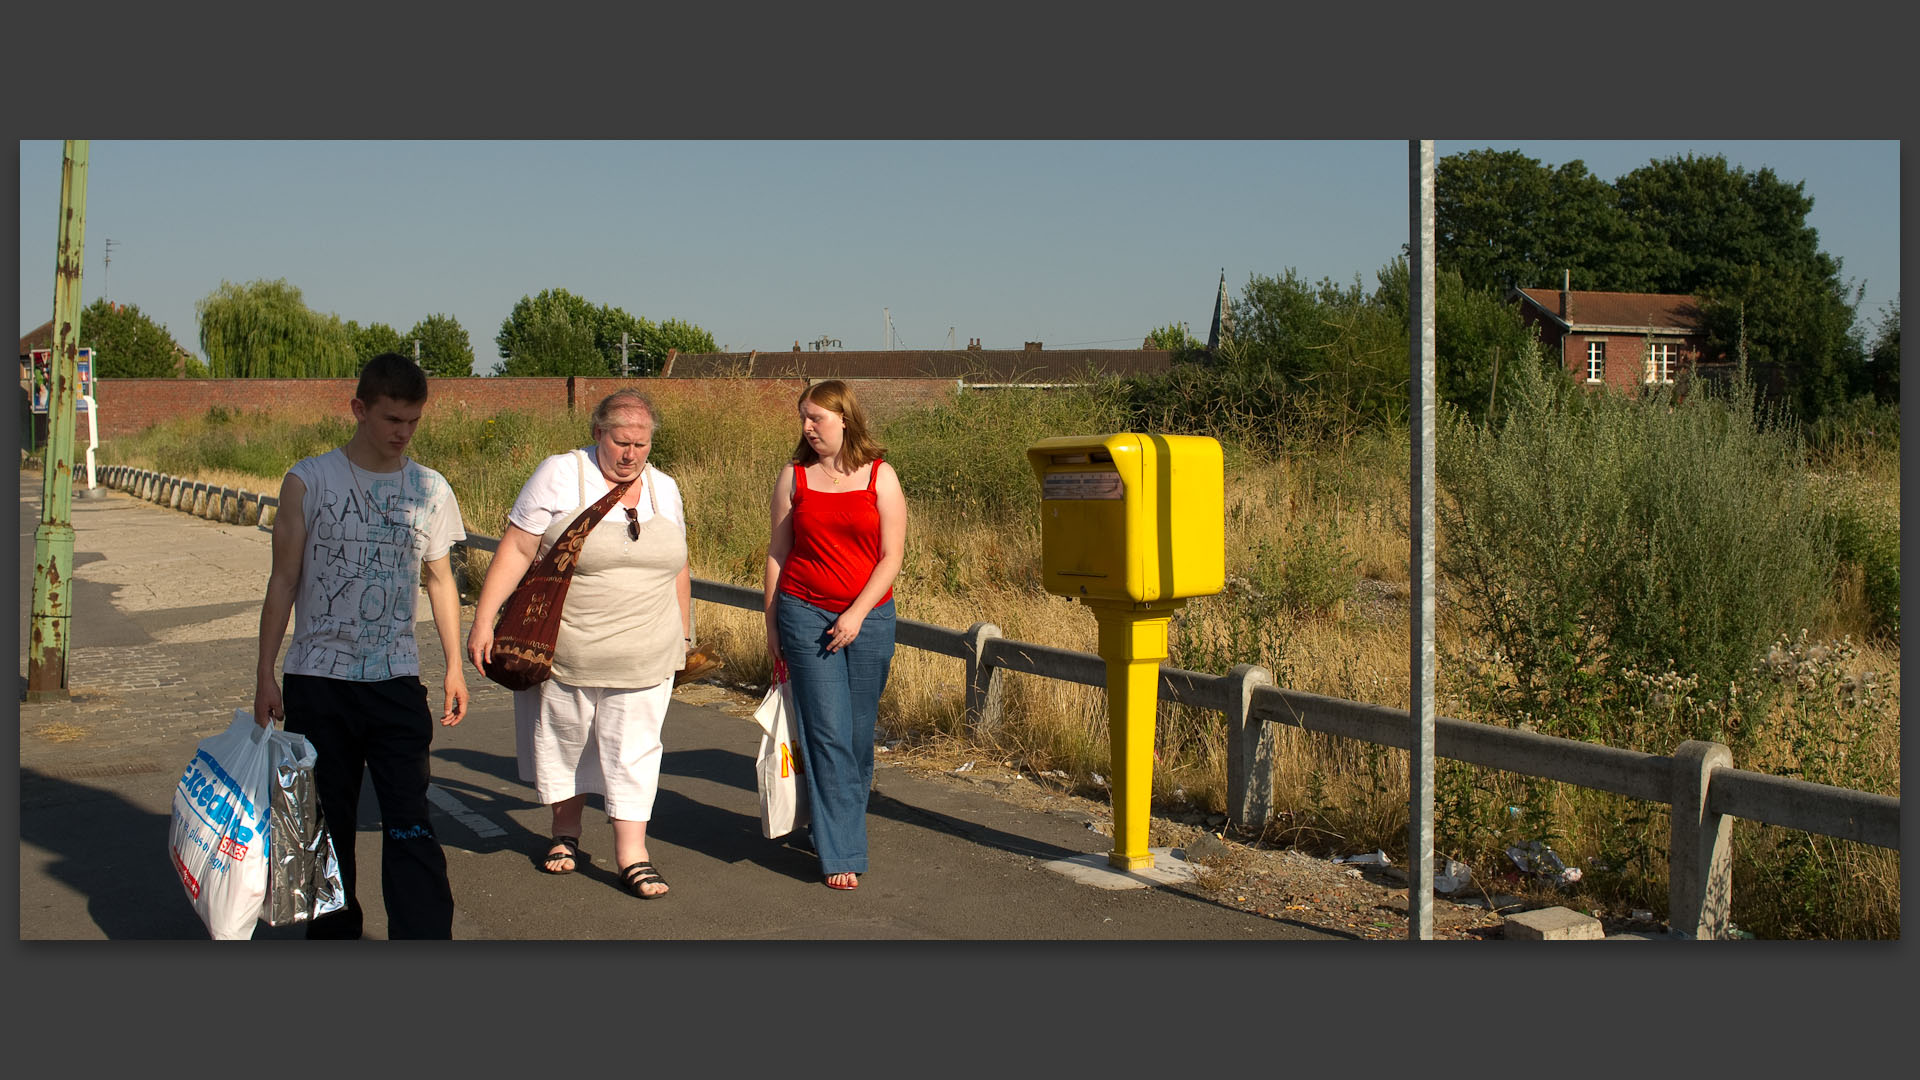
(1338, 627)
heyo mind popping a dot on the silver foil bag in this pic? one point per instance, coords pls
(303, 876)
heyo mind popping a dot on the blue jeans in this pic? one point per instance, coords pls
(837, 696)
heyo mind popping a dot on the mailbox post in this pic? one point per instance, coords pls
(1132, 526)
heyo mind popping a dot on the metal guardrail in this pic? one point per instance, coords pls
(1697, 780)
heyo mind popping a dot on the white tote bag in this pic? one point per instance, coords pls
(218, 840)
(783, 798)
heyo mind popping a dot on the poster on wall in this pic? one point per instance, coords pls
(42, 377)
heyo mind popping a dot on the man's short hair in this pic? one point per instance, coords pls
(391, 375)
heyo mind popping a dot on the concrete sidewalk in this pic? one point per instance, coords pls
(165, 620)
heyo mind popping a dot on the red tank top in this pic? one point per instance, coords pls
(836, 543)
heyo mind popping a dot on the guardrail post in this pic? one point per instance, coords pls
(983, 680)
(1700, 859)
(1249, 751)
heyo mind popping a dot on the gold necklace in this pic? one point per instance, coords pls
(832, 480)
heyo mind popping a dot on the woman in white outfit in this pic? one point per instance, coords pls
(594, 726)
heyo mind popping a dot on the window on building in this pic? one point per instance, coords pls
(1660, 357)
(1596, 361)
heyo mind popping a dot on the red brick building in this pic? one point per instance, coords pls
(1624, 340)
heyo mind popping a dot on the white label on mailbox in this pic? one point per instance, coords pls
(1083, 485)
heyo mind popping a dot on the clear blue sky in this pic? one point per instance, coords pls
(765, 243)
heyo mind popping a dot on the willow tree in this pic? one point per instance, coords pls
(265, 329)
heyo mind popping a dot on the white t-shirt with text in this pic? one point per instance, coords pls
(367, 534)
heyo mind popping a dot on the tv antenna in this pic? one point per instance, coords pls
(824, 342)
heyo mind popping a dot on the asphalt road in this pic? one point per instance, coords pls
(165, 615)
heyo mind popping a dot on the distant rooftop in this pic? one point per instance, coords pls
(1035, 365)
(40, 338)
(1653, 311)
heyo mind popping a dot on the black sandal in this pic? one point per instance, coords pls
(641, 874)
(571, 844)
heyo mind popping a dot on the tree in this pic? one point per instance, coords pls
(1173, 337)
(559, 333)
(1685, 225)
(1478, 337)
(1502, 219)
(373, 339)
(265, 329)
(678, 335)
(127, 344)
(1740, 241)
(444, 349)
(1338, 351)
(553, 333)
(1704, 222)
(623, 339)
(1795, 332)
(1883, 363)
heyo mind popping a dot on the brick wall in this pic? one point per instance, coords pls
(128, 406)
(1626, 366)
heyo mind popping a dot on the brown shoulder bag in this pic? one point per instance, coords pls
(529, 622)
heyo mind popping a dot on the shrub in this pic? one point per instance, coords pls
(1867, 537)
(1591, 534)
(968, 460)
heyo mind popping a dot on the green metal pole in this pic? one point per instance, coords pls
(53, 541)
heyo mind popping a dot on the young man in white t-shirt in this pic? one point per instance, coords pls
(354, 529)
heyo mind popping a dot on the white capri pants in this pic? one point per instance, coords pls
(592, 740)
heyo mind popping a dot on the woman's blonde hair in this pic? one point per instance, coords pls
(857, 446)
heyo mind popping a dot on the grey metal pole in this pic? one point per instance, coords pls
(1420, 348)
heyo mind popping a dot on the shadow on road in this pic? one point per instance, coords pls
(109, 851)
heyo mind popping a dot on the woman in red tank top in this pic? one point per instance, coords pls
(839, 526)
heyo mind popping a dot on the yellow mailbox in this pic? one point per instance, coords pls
(1130, 517)
(1131, 525)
